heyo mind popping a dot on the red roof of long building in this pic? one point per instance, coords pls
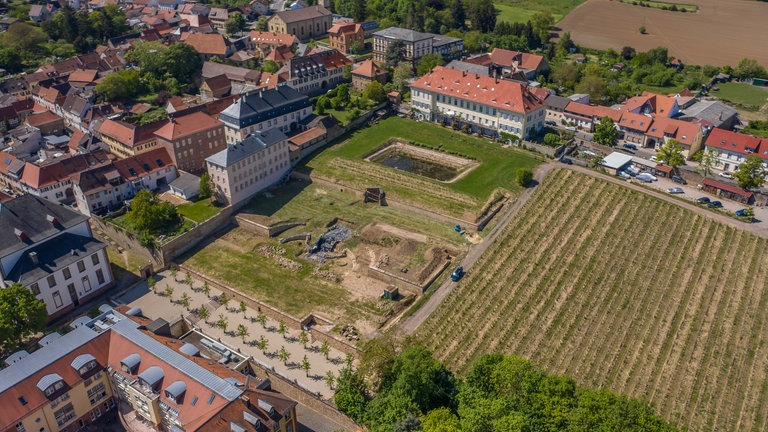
(185, 125)
(501, 94)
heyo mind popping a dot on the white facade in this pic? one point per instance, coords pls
(283, 122)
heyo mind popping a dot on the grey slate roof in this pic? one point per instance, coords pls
(254, 143)
(263, 105)
(131, 361)
(186, 181)
(53, 255)
(557, 102)
(402, 34)
(714, 112)
(28, 214)
(129, 330)
(190, 349)
(468, 67)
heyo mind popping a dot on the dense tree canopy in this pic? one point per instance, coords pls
(606, 132)
(86, 29)
(120, 86)
(374, 91)
(21, 315)
(149, 213)
(429, 61)
(671, 153)
(751, 173)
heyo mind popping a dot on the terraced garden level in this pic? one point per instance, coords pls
(624, 291)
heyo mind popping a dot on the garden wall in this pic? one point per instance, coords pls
(545, 150)
(118, 237)
(189, 239)
(263, 230)
(363, 119)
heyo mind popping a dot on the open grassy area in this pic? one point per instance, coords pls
(621, 290)
(678, 7)
(199, 211)
(462, 198)
(522, 10)
(746, 95)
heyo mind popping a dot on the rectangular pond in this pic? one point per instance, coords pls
(394, 158)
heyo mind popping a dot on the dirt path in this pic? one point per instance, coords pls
(414, 321)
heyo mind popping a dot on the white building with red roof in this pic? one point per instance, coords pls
(488, 105)
(733, 148)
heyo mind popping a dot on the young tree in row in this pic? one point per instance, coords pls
(185, 300)
(325, 349)
(606, 132)
(188, 279)
(151, 283)
(169, 292)
(224, 300)
(222, 323)
(174, 271)
(206, 289)
(243, 307)
(262, 344)
(303, 338)
(709, 158)
(330, 379)
(283, 355)
(261, 319)
(203, 313)
(305, 366)
(242, 331)
(282, 329)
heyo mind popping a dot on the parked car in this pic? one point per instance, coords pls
(566, 161)
(741, 213)
(653, 158)
(675, 190)
(633, 170)
(715, 204)
(678, 179)
(630, 146)
(725, 175)
(457, 274)
(624, 174)
(645, 178)
(703, 200)
(646, 173)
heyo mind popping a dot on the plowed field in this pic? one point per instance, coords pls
(722, 32)
(624, 291)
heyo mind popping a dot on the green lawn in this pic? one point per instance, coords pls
(522, 10)
(664, 5)
(496, 170)
(343, 116)
(199, 211)
(748, 96)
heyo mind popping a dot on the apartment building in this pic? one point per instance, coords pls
(733, 148)
(486, 105)
(190, 138)
(244, 168)
(311, 22)
(316, 72)
(343, 35)
(49, 249)
(52, 179)
(417, 44)
(125, 140)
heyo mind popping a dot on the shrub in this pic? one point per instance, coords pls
(524, 176)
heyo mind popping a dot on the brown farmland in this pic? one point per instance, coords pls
(722, 32)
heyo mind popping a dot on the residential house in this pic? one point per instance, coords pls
(215, 88)
(585, 116)
(712, 114)
(160, 382)
(107, 187)
(342, 36)
(247, 167)
(208, 45)
(52, 179)
(555, 109)
(366, 72)
(190, 138)
(663, 129)
(74, 110)
(634, 126)
(198, 22)
(169, 5)
(652, 104)
(125, 140)
(39, 13)
(733, 148)
(505, 62)
(50, 98)
(49, 249)
(306, 23)
(280, 55)
(82, 143)
(316, 72)
(417, 44)
(15, 86)
(234, 73)
(11, 169)
(83, 79)
(47, 122)
(265, 41)
(486, 105)
(258, 7)
(218, 17)
(281, 107)
(320, 130)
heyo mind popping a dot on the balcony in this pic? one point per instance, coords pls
(133, 421)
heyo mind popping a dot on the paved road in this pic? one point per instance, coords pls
(414, 321)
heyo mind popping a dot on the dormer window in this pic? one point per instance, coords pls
(152, 377)
(51, 384)
(84, 364)
(175, 392)
(130, 364)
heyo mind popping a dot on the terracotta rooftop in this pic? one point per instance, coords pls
(682, 131)
(272, 38)
(525, 61)
(369, 69)
(83, 75)
(43, 118)
(128, 134)
(185, 125)
(207, 43)
(303, 14)
(634, 121)
(344, 28)
(734, 142)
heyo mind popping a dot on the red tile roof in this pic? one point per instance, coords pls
(501, 94)
(524, 60)
(185, 125)
(83, 76)
(733, 142)
(634, 121)
(272, 38)
(727, 187)
(344, 28)
(43, 118)
(280, 54)
(137, 163)
(661, 105)
(682, 131)
(369, 69)
(128, 134)
(305, 137)
(40, 176)
(207, 43)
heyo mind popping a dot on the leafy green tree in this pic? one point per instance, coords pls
(542, 22)
(205, 186)
(282, 329)
(642, 30)
(325, 349)
(428, 62)
(482, 15)
(473, 41)
(567, 75)
(440, 420)
(606, 132)
(262, 344)
(188, 279)
(169, 292)
(552, 139)
(350, 394)
(10, 60)
(426, 381)
(149, 56)
(671, 153)
(182, 62)
(376, 360)
(120, 86)
(243, 308)
(235, 23)
(203, 313)
(749, 68)
(270, 66)
(458, 14)
(303, 338)
(374, 91)
(174, 271)
(185, 300)
(261, 319)
(24, 37)
(346, 72)
(284, 355)
(305, 365)
(524, 176)
(22, 314)
(388, 408)
(262, 23)
(750, 174)
(395, 53)
(592, 85)
(224, 300)
(222, 323)
(149, 213)
(242, 332)
(151, 283)
(330, 379)
(709, 159)
(400, 76)
(357, 48)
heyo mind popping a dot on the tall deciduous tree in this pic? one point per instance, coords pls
(205, 186)
(751, 173)
(429, 61)
(400, 76)
(709, 158)
(235, 23)
(374, 91)
(182, 62)
(21, 315)
(395, 53)
(482, 15)
(458, 14)
(120, 86)
(606, 132)
(148, 213)
(671, 153)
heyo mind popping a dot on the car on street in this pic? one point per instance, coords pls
(624, 174)
(566, 161)
(715, 204)
(725, 175)
(678, 179)
(653, 158)
(630, 146)
(742, 212)
(675, 190)
(457, 274)
(646, 173)
(645, 178)
(703, 200)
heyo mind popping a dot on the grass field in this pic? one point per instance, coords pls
(199, 211)
(523, 10)
(462, 198)
(746, 95)
(680, 7)
(623, 291)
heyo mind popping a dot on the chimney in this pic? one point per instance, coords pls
(53, 221)
(246, 400)
(20, 234)
(33, 258)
